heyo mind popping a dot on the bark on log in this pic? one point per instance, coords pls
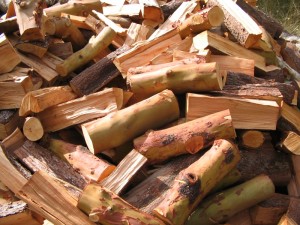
(124, 125)
(195, 182)
(83, 56)
(170, 7)
(265, 160)
(179, 79)
(82, 160)
(221, 206)
(270, 24)
(38, 158)
(190, 137)
(106, 207)
(98, 75)
(240, 24)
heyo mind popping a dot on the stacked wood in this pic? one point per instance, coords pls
(290, 143)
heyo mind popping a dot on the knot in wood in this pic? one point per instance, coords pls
(190, 186)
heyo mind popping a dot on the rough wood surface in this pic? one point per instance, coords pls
(189, 137)
(33, 129)
(9, 121)
(38, 158)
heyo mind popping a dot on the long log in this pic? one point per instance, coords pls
(82, 160)
(98, 75)
(106, 207)
(221, 206)
(190, 137)
(124, 125)
(179, 79)
(87, 53)
(195, 182)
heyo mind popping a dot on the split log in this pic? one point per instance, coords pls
(63, 28)
(106, 207)
(78, 21)
(29, 18)
(209, 39)
(10, 176)
(252, 91)
(122, 21)
(151, 10)
(52, 201)
(189, 137)
(174, 20)
(126, 170)
(6, 195)
(203, 56)
(179, 79)
(296, 171)
(252, 139)
(133, 11)
(292, 216)
(14, 87)
(83, 56)
(290, 119)
(131, 122)
(238, 22)
(201, 21)
(82, 109)
(81, 159)
(11, 59)
(41, 99)
(265, 160)
(149, 193)
(16, 213)
(195, 182)
(15, 140)
(291, 143)
(33, 129)
(145, 51)
(38, 158)
(76, 7)
(9, 25)
(219, 208)
(234, 64)
(271, 210)
(37, 48)
(61, 50)
(246, 113)
(9, 121)
(270, 24)
(97, 76)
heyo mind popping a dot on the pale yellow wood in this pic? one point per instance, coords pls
(78, 21)
(33, 129)
(131, 10)
(291, 114)
(41, 99)
(246, 113)
(81, 109)
(291, 143)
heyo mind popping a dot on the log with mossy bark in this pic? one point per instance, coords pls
(126, 124)
(83, 56)
(82, 109)
(190, 137)
(221, 206)
(104, 206)
(195, 182)
(81, 159)
(179, 79)
(201, 21)
(41, 99)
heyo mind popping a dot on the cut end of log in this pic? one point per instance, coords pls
(215, 16)
(253, 139)
(33, 129)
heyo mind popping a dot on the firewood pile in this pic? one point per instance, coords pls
(147, 112)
